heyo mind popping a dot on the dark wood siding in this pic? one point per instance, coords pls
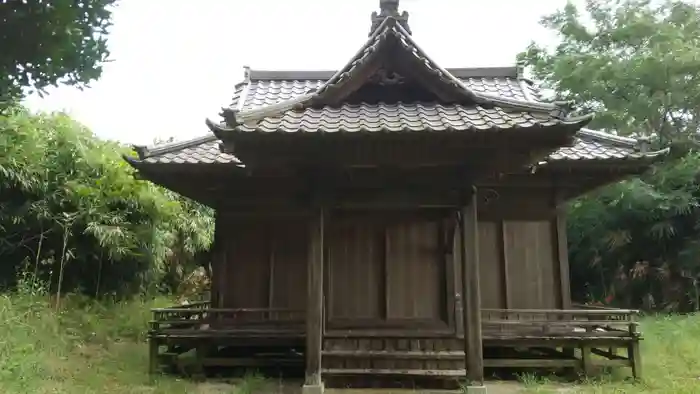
(265, 262)
(355, 269)
(388, 267)
(491, 267)
(248, 277)
(529, 249)
(519, 267)
(415, 272)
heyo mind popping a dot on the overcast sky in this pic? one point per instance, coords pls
(175, 62)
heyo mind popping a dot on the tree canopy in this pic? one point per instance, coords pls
(72, 213)
(49, 42)
(635, 63)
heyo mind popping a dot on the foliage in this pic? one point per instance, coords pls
(635, 63)
(636, 243)
(88, 347)
(48, 42)
(669, 362)
(98, 347)
(72, 212)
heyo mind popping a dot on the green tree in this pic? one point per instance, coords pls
(45, 43)
(72, 213)
(637, 64)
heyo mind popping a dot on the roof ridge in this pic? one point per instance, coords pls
(145, 152)
(322, 75)
(614, 139)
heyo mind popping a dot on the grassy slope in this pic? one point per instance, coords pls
(91, 348)
(670, 358)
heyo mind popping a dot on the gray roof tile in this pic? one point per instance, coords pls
(286, 101)
(202, 150)
(260, 93)
(589, 145)
(428, 117)
(274, 87)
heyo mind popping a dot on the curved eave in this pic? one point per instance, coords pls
(219, 130)
(569, 126)
(132, 161)
(577, 122)
(634, 163)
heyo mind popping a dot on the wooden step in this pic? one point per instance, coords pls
(252, 362)
(392, 354)
(442, 373)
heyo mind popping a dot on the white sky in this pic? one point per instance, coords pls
(175, 62)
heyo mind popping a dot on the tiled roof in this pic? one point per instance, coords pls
(428, 117)
(257, 93)
(597, 145)
(202, 150)
(267, 88)
(298, 103)
(589, 145)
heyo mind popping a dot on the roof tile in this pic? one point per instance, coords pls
(205, 152)
(258, 94)
(399, 117)
(589, 145)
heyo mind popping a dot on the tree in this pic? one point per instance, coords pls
(45, 43)
(635, 63)
(72, 213)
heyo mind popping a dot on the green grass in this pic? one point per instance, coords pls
(98, 348)
(670, 358)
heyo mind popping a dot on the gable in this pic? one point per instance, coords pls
(391, 58)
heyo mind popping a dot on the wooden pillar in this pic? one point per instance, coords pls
(469, 251)
(314, 301)
(562, 252)
(153, 351)
(218, 264)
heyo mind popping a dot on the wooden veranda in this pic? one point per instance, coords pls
(583, 338)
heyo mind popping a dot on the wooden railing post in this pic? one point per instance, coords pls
(153, 343)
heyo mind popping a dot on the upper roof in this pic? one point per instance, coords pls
(262, 88)
(265, 89)
(319, 102)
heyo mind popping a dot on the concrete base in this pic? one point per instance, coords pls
(312, 388)
(476, 389)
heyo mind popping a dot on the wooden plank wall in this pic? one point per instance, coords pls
(355, 288)
(519, 265)
(262, 262)
(386, 268)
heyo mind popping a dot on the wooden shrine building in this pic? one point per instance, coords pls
(393, 218)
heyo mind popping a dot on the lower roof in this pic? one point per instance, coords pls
(589, 146)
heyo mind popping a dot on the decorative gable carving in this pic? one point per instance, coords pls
(387, 77)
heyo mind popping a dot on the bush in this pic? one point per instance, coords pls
(72, 213)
